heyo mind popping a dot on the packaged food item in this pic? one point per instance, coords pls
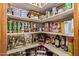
(72, 5)
(57, 41)
(41, 38)
(68, 27)
(56, 27)
(19, 26)
(9, 27)
(23, 13)
(62, 26)
(71, 27)
(32, 52)
(63, 42)
(41, 17)
(47, 14)
(68, 6)
(22, 29)
(12, 26)
(66, 47)
(28, 39)
(52, 39)
(46, 27)
(9, 46)
(54, 10)
(70, 46)
(15, 11)
(41, 51)
(47, 40)
(9, 10)
(60, 10)
(51, 27)
(15, 41)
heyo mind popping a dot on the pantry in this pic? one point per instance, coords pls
(39, 29)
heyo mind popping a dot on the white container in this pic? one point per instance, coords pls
(23, 13)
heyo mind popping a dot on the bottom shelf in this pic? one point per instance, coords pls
(50, 47)
(55, 50)
(22, 48)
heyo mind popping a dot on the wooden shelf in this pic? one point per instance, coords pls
(23, 33)
(48, 6)
(60, 16)
(14, 33)
(40, 32)
(57, 34)
(55, 50)
(28, 6)
(57, 17)
(12, 17)
(22, 48)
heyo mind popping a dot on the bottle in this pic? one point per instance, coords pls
(14, 26)
(57, 41)
(9, 26)
(22, 29)
(63, 42)
(52, 39)
(17, 26)
(70, 46)
(12, 29)
(66, 47)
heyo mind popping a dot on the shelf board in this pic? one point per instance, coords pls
(60, 16)
(52, 48)
(23, 33)
(28, 6)
(55, 50)
(40, 32)
(48, 6)
(18, 18)
(57, 34)
(14, 33)
(22, 48)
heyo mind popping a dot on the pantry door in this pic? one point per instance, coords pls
(76, 29)
(3, 29)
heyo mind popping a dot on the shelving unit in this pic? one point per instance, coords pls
(65, 14)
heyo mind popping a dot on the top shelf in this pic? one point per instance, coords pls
(28, 6)
(58, 17)
(22, 18)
